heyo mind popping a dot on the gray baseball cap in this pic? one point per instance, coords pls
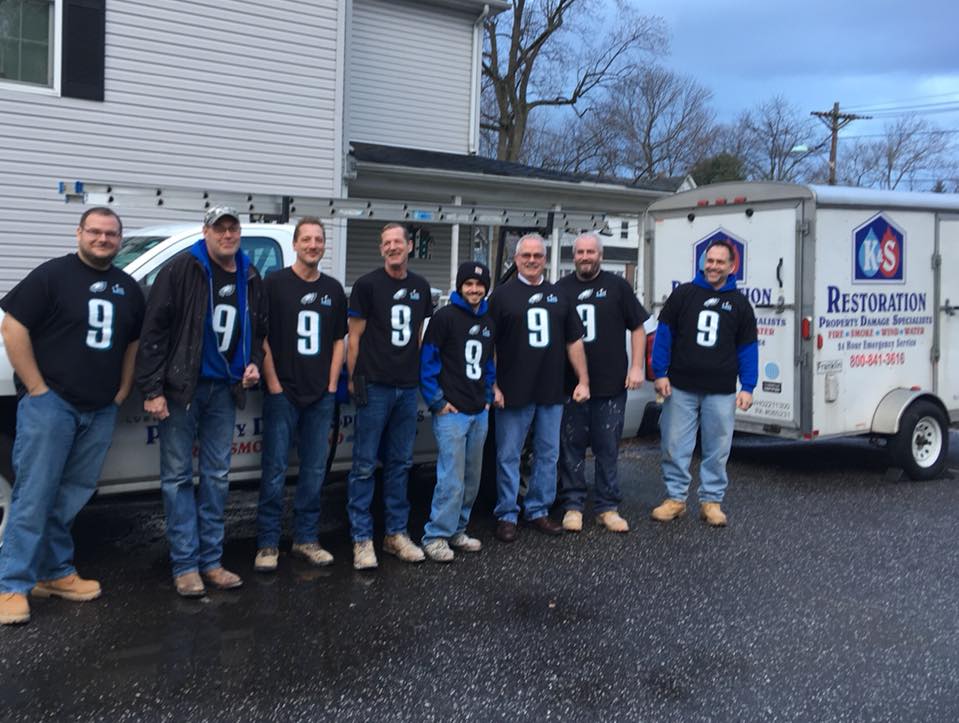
(217, 212)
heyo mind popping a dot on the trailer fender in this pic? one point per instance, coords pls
(886, 418)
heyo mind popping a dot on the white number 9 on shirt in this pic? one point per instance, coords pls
(708, 328)
(473, 354)
(587, 312)
(308, 331)
(537, 321)
(401, 318)
(223, 320)
(100, 333)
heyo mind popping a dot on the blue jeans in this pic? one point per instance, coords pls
(389, 417)
(596, 423)
(58, 454)
(459, 464)
(194, 516)
(684, 413)
(311, 425)
(511, 428)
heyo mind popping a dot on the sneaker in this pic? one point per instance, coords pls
(669, 510)
(72, 587)
(364, 556)
(438, 550)
(612, 521)
(403, 547)
(313, 553)
(462, 541)
(573, 521)
(14, 608)
(713, 514)
(222, 579)
(267, 558)
(189, 584)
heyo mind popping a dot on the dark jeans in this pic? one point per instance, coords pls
(598, 424)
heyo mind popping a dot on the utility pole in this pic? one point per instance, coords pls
(834, 121)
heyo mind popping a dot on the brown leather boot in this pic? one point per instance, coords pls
(14, 608)
(72, 587)
(713, 514)
(669, 510)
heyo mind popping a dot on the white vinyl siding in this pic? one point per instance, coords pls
(409, 72)
(363, 238)
(199, 94)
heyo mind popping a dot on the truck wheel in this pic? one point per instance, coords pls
(921, 447)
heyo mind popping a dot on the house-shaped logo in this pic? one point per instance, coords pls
(878, 256)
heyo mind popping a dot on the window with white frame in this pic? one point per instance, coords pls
(27, 41)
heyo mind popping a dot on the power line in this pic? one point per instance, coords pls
(883, 135)
(868, 107)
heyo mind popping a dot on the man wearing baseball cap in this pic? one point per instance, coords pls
(456, 379)
(201, 348)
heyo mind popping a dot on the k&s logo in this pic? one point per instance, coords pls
(878, 252)
(739, 261)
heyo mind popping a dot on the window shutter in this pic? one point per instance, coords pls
(84, 40)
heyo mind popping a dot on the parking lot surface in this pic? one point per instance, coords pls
(830, 596)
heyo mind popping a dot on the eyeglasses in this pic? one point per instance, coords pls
(97, 232)
(528, 256)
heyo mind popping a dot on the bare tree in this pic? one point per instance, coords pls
(664, 123)
(911, 153)
(776, 140)
(536, 56)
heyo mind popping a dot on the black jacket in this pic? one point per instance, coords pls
(171, 342)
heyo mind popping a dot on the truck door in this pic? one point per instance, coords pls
(765, 238)
(948, 321)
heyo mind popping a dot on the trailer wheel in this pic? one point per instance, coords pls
(921, 447)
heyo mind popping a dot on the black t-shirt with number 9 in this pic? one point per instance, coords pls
(394, 310)
(81, 321)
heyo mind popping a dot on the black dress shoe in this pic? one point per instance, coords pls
(546, 526)
(506, 531)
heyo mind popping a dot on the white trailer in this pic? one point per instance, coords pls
(855, 292)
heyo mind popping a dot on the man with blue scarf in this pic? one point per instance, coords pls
(706, 337)
(201, 348)
(456, 379)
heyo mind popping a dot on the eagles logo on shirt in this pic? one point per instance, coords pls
(227, 290)
(474, 330)
(535, 299)
(97, 286)
(583, 295)
(308, 298)
(399, 294)
(711, 302)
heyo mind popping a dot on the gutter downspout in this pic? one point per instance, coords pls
(475, 85)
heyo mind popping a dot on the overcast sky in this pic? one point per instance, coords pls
(862, 54)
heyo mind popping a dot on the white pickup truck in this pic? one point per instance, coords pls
(133, 463)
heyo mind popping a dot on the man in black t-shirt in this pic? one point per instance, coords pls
(536, 331)
(387, 309)
(608, 309)
(301, 367)
(202, 347)
(456, 379)
(706, 336)
(70, 330)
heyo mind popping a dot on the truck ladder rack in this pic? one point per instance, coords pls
(276, 207)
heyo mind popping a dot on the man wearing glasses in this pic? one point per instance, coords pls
(70, 330)
(536, 331)
(202, 347)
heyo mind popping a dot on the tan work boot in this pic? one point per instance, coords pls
(669, 510)
(403, 547)
(713, 514)
(189, 584)
(364, 556)
(612, 521)
(222, 579)
(313, 553)
(266, 560)
(72, 587)
(573, 521)
(14, 608)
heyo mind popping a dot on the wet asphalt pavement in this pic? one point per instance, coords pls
(832, 595)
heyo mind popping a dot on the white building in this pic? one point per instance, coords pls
(362, 98)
